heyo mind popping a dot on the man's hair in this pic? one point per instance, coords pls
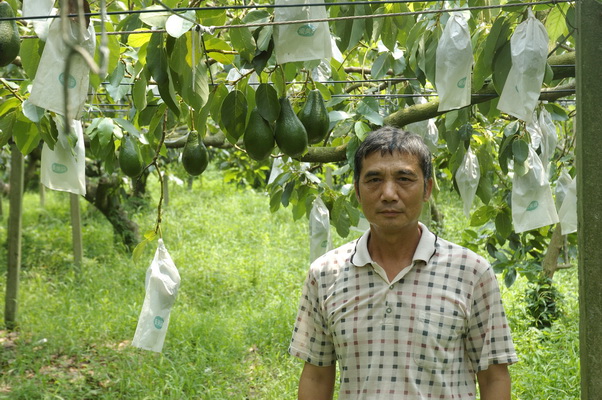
(390, 140)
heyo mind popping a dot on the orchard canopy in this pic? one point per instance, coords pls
(156, 70)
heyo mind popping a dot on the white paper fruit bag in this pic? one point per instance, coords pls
(532, 201)
(304, 41)
(319, 229)
(64, 167)
(454, 64)
(568, 210)
(467, 179)
(162, 283)
(529, 52)
(48, 85)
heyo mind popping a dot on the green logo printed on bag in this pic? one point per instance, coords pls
(71, 82)
(532, 205)
(462, 83)
(158, 322)
(59, 168)
(307, 30)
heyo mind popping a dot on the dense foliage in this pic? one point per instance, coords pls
(160, 74)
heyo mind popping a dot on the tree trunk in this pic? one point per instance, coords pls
(550, 261)
(105, 197)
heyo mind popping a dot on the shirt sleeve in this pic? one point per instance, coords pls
(489, 340)
(311, 339)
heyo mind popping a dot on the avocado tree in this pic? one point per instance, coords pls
(209, 82)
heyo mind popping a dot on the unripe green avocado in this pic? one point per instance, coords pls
(258, 137)
(314, 117)
(195, 156)
(130, 159)
(10, 43)
(289, 132)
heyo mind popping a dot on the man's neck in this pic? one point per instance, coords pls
(393, 252)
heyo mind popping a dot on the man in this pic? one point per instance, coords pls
(407, 315)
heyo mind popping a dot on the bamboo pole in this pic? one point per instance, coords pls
(76, 229)
(14, 237)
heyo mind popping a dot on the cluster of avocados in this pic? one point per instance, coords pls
(292, 132)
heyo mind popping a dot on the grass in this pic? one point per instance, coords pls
(242, 269)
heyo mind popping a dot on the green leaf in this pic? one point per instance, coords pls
(556, 23)
(25, 134)
(30, 53)
(369, 108)
(279, 82)
(503, 224)
(341, 217)
(6, 127)
(212, 17)
(9, 105)
(127, 126)
(196, 93)
(275, 200)
(105, 130)
(482, 215)
(48, 131)
(156, 59)
(216, 98)
(139, 249)
(502, 62)
(498, 35)
(234, 113)
(510, 277)
(381, 65)
(267, 102)
(520, 151)
(155, 19)
(358, 26)
(219, 50)
(243, 41)
(264, 38)
(139, 90)
(286, 195)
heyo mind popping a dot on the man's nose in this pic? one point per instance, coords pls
(389, 191)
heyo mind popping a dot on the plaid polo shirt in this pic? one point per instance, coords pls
(422, 336)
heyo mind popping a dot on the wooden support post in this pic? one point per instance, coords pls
(14, 237)
(589, 193)
(76, 230)
(42, 195)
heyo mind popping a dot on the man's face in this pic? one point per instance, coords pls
(391, 190)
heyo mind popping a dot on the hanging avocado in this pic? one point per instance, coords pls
(289, 132)
(130, 159)
(314, 117)
(258, 137)
(10, 42)
(195, 156)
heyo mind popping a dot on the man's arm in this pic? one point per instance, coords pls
(317, 383)
(494, 382)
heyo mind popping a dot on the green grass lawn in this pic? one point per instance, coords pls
(241, 267)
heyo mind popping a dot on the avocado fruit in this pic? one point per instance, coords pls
(290, 134)
(259, 137)
(195, 156)
(10, 42)
(314, 117)
(130, 159)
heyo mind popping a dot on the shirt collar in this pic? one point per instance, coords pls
(424, 250)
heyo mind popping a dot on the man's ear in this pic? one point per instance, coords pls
(357, 190)
(428, 189)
